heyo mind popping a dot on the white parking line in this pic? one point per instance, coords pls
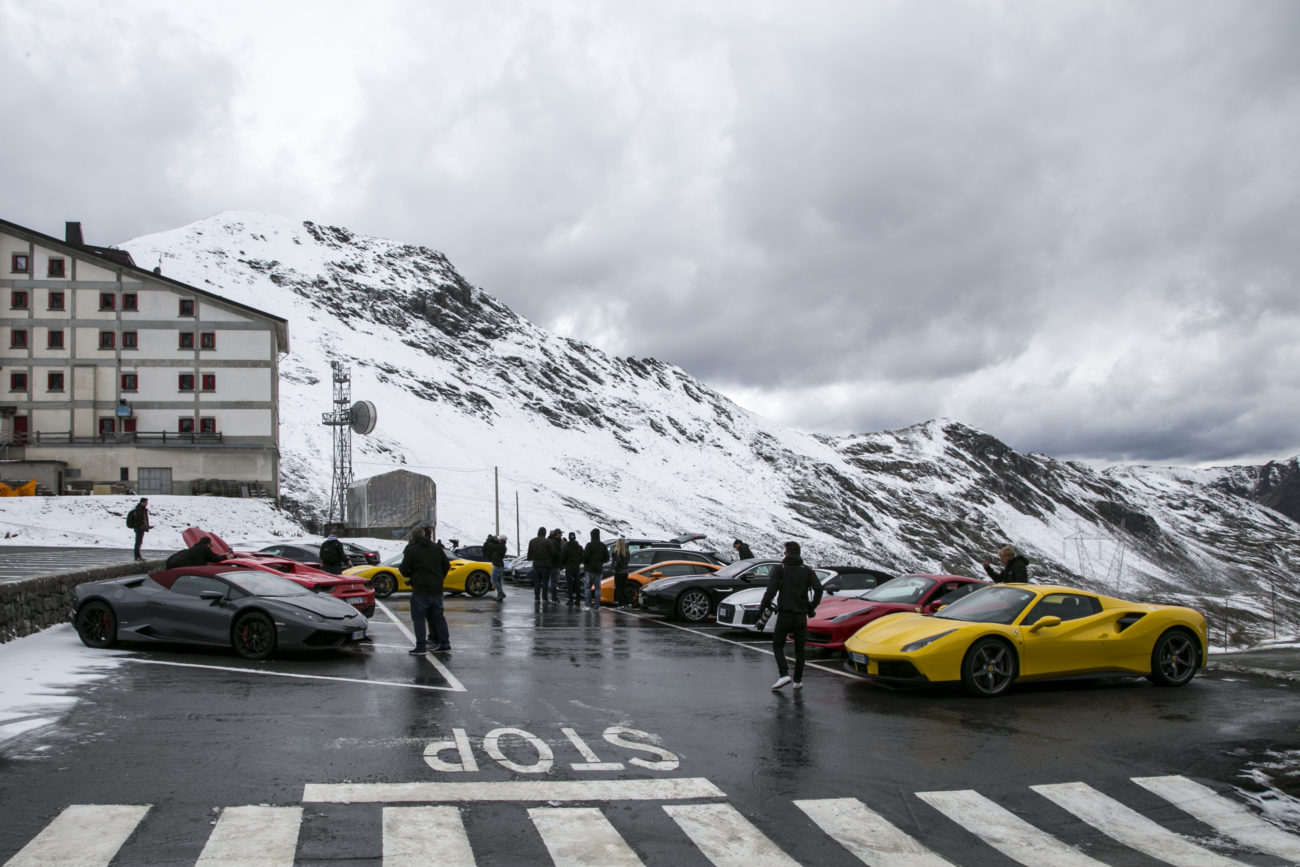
(453, 684)
(765, 649)
(292, 674)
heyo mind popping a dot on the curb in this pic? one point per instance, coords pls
(1292, 676)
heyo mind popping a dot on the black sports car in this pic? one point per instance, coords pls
(695, 597)
(251, 611)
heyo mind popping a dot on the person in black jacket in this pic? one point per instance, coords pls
(539, 552)
(791, 582)
(573, 570)
(425, 565)
(620, 557)
(198, 554)
(1014, 567)
(593, 561)
(138, 520)
(494, 551)
(332, 556)
(742, 550)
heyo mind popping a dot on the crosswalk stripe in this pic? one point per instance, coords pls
(726, 837)
(1005, 831)
(413, 836)
(1224, 815)
(83, 834)
(1129, 827)
(867, 834)
(253, 837)
(581, 836)
(674, 789)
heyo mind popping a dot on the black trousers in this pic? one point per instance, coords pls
(790, 623)
(139, 538)
(573, 577)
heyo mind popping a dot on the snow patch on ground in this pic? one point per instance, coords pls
(1273, 782)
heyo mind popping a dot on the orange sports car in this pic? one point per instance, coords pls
(643, 576)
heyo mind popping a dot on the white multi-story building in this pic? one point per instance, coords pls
(127, 376)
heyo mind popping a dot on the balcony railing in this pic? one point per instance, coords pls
(40, 438)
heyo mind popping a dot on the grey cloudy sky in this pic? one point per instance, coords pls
(1073, 224)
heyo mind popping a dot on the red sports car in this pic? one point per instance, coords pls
(354, 591)
(838, 618)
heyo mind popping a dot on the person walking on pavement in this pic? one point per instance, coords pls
(425, 564)
(138, 519)
(539, 552)
(556, 541)
(742, 550)
(332, 556)
(573, 570)
(494, 551)
(1014, 566)
(790, 583)
(593, 561)
(620, 558)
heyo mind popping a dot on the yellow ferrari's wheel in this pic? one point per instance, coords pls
(385, 583)
(1175, 658)
(478, 583)
(989, 669)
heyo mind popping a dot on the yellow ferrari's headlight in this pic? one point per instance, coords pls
(917, 645)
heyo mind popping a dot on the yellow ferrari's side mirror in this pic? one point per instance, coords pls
(1045, 623)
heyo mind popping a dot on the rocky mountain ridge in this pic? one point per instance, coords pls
(468, 391)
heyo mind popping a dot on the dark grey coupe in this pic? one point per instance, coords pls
(250, 611)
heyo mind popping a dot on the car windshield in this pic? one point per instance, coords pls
(395, 560)
(256, 583)
(989, 605)
(907, 589)
(737, 568)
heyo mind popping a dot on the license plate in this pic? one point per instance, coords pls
(358, 634)
(357, 601)
(724, 612)
(859, 659)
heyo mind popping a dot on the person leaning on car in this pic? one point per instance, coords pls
(198, 554)
(1014, 567)
(425, 565)
(790, 582)
(539, 551)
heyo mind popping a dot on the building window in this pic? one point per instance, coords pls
(107, 339)
(107, 301)
(107, 426)
(130, 381)
(56, 299)
(19, 263)
(208, 340)
(56, 267)
(185, 425)
(18, 338)
(18, 299)
(187, 307)
(130, 340)
(55, 339)
(18, 382)
(209, 381)
(130, 301)
(207, 425)
(54, 381)
(187, 340)
(185, 382)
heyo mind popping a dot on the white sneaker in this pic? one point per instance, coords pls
(798, 684)
(781, 681)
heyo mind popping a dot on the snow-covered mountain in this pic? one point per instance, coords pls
(465, 387)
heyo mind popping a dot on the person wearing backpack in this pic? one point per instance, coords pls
(138, 519)
(790, 583)
(332, 556)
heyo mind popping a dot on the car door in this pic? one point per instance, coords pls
(182, 613)
(1079, 643)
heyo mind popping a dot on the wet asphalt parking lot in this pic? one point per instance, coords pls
(554, 735)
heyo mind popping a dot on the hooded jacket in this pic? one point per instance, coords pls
(425, 565)
(1017, 569)
(790, 582)
(595, 554)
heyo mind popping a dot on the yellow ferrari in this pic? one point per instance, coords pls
(466, 576)
(1012, 633)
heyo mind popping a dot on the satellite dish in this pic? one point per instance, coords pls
(363, 417)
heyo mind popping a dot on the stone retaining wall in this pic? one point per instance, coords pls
(32, 604)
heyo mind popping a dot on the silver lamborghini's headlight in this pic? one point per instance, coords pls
(314, 618)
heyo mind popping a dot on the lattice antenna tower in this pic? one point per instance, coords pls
(343, 420)
(1089, 567)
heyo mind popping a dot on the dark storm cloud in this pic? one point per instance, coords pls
(1075, 224)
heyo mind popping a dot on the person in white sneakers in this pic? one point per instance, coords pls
(798, 593)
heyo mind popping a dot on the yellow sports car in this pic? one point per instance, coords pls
(466, 576)
(1010, 633)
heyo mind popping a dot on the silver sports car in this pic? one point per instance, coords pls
(250, 611)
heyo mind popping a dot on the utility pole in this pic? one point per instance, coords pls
(496, 495)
